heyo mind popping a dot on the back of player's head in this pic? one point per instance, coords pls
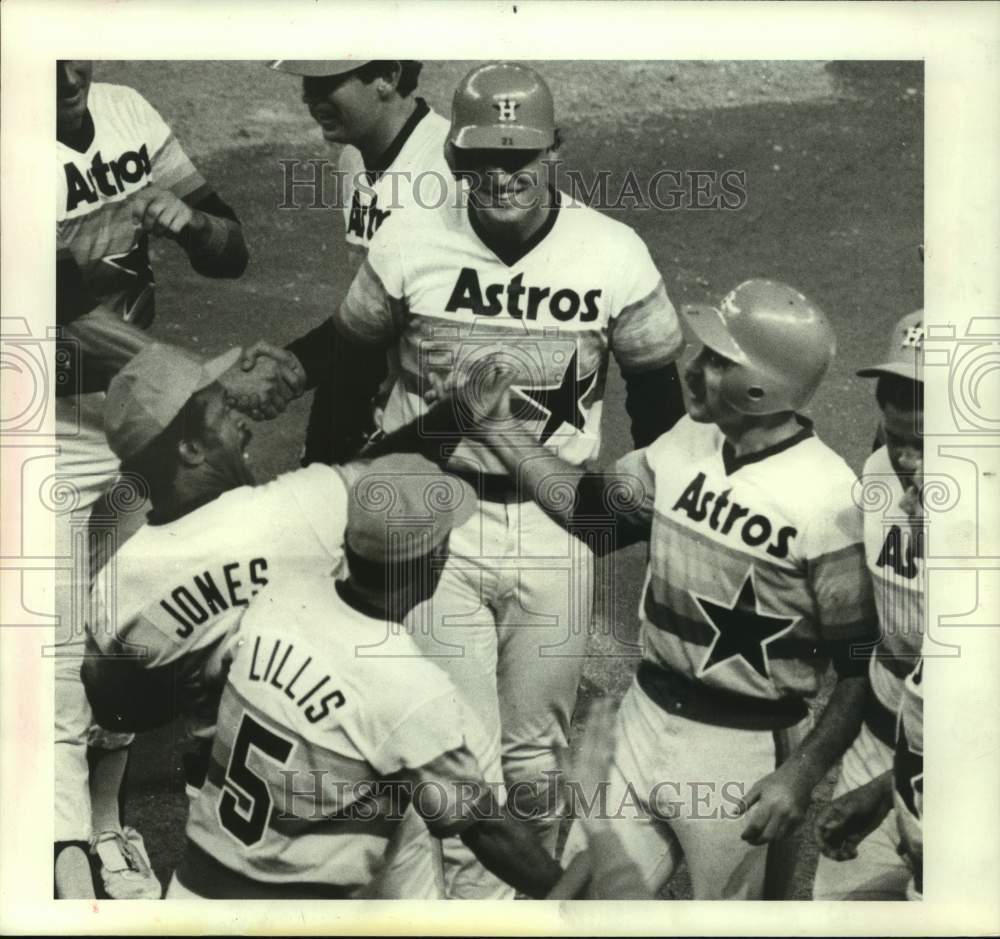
(401, 511)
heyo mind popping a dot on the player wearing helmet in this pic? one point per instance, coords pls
(755, 583)
(524, 274)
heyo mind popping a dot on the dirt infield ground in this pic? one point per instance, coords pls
(833, 159)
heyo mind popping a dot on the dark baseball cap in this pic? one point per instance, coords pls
(402, 506)
(152, 389)
(316, 69)
(905, 355)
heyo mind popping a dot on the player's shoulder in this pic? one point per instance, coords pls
(877, 463)
(687, 439)
(583, 216)
(350, 160)
(121, 100)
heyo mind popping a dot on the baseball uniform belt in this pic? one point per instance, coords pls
(880, 720)
(494, 487)
(205, 876)
(677, 694)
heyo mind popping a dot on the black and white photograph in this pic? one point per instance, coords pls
(503, 478)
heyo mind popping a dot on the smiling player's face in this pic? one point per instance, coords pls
(508, 188)
(72, 90)
(225, 440)
(703, 377)
(903, 430)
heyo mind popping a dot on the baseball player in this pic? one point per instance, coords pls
(392, 165)
(519, 272)
(167, 604)
(894, 552)
(319, 746)
(755, 583)
(121, 177)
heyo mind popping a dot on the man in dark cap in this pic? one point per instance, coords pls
(332, 722)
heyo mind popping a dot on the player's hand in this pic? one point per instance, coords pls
(263, 382)
(482, 397)
(846, 821)
(159, 212)
(776, 804)
(590, 763)
(290, 370)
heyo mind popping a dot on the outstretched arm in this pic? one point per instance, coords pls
(576, 499)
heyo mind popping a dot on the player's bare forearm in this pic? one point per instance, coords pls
(215, 246)
(777, 803)
(836, 728)
(506, 848)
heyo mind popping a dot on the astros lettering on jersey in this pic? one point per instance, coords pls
(585, 285)
(415, 175)
(756, 573)
(131, 148)
(894, 549)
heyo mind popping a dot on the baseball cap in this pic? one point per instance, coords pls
(316, 69)
(402, 506)
(151, 390)
(905, 355)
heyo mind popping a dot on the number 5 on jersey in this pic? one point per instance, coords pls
(245, 801)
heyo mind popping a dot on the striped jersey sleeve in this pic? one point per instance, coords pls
(833, 548)
(371, 313)
(644, 332)
(171, 167)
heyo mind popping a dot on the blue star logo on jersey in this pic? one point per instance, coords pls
(742, 629)
(558, 404)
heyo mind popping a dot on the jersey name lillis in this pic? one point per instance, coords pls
(451, 306)
(308, 730)
(756, 573)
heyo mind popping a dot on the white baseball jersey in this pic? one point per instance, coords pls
(908, 766)
(131, 148)
(584, 284)
(894, 552)
(176, 591)
(412, 173)
(311, 734)
(756, 572)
